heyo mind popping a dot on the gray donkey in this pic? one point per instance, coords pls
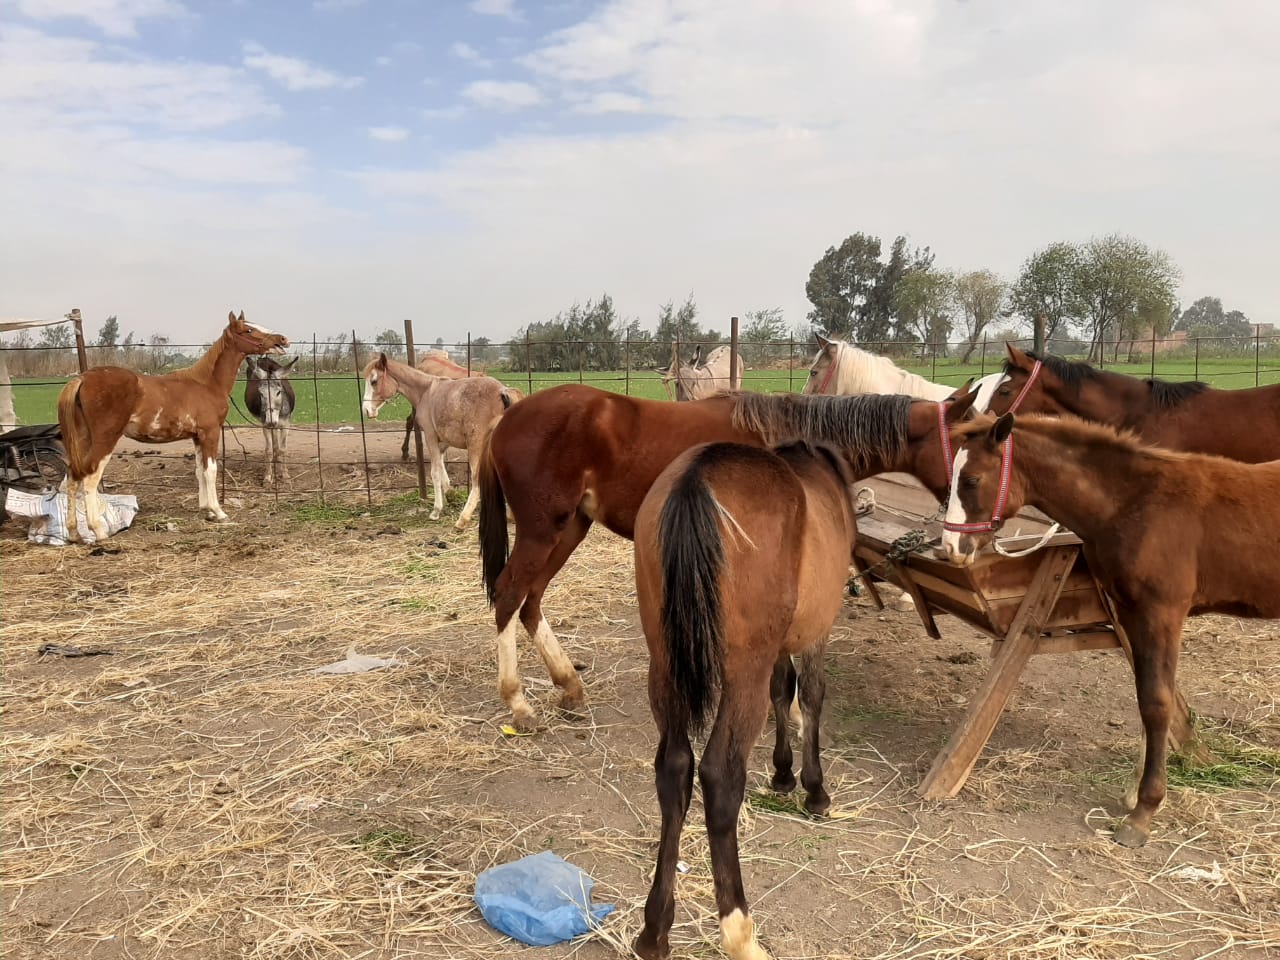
(269, 396)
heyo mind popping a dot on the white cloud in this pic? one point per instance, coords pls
(466, 52)
(610, 101)
(332, 5)
(295, 73)
(60, 80)
(115, 18)
(502, 94)
(496, 8)
(388, 134)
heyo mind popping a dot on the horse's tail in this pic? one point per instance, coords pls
(494, 549)
(692, 555)
(76, 438)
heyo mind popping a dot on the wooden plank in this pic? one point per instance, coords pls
(1070, 642)
(903, 578)
(952, 764)
(1076, 607)
(861, 566)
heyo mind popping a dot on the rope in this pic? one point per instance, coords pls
(999, 548)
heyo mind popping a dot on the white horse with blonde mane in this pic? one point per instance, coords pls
(841, 369)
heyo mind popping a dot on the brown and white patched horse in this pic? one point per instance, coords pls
(1194, 417)
(451, 413)
(105, 403)
(1167, 534)
(731, 584)
(573, 455)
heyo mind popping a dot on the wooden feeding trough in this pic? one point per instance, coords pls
(1045, 602)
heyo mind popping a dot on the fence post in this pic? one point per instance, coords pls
(627, 375)
(1257, 355)
(315, 392)
(1197, 373)
(409, 354)
(735, 379)
(468, 353)
(982, 363)
(933, 375)
(1153, 351)
(81, 358)
(791, 363)
(1037, 333)
(364, 440)
(528, 362)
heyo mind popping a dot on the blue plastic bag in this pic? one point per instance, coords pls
(539, 900)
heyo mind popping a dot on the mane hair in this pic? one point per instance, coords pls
(870, 427)
(202, 369)
(1073, 430)
(1074, 373)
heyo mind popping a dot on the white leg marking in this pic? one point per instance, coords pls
(738, 937)
(211, 486)
(558, 664)
(509, 687)
(437, 468)
(1131, 795)
(955, 510)
(201, 487)
(92, 506)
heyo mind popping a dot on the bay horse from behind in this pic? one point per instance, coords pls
(105, 403)
(268, 395)
(451, 413)
(841, 369)
(730, 586)
(1194, 417)
(573, 455)
(1166, 534)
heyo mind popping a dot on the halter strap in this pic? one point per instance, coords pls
(944, 433)
(831, 369)
(1002, 497)
(1026, 387)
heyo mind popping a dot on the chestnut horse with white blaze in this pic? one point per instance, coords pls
(573, 455)
(105, 403)
(451, 413)
(1167, 534)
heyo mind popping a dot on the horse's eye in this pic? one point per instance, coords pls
(971, 482)
(1005, 391)
(813, 373)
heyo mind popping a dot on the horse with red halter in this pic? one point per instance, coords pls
(438, 364)
(105, 403)
(573, 455)
(1194, 417)
(1167, 534)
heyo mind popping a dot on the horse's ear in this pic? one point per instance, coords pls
(1001, 429)
(231, 317)
(958, 408)
(822, 341)
(289, 365)
(382, 361)
(1016, 356)
(241, 317)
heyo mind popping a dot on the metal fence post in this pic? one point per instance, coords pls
(364, 440)
(735, 365)
(627, 374)
(791, 363)
(410, 355)
(528, 360)
(315, 392)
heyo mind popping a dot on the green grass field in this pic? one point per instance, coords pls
(337, 398)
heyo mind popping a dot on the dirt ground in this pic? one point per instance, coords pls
(199, 793)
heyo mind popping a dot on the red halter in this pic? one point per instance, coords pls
(1002, 496)
(1026, 387)
(831, 369)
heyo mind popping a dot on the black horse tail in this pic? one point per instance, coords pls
(692, 555)
(494, 548)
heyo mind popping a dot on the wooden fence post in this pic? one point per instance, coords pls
(417, 430)
(735, 366)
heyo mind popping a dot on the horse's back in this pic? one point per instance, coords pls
(1243, 424)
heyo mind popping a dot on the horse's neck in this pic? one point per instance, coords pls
(218, 367)
(1083, 489)
(413, 384)
(871, 374)
(1114, 399)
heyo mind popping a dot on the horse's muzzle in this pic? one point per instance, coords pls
(371, 409)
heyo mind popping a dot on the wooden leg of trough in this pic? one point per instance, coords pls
(917, 597)
(1182, 734)
(861, 566)
(954, 761)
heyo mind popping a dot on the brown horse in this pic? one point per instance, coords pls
(574, 455)
(105, 403)
(1193, 417)
(451, 413)
(1165, 533)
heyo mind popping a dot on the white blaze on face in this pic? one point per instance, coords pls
(955, 511)
(987, 388)
(371, 406)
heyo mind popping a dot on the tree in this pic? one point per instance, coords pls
(979, 296)
(109, 333)
(390, 342)
(763, 328)
(1048, 285)
(55, 337)
(923, 303)
(482, 350)
(1206, 318)
(879, 320)
(840, 285)
(583, 337)
(1123, 283)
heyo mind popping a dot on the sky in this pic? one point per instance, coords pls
(343, 164)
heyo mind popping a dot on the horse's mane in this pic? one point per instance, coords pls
(865, 372)
(1074, 373)
(1071, 430)
(870, 427)
(202, 369)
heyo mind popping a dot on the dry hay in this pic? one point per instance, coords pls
(202, 794)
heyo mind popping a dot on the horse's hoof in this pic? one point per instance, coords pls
(651, 948)
(525, 724)
(573, 707)
(434, 515)
(460, 525)
(817, 804)
(1128, 835)
(783, 783)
